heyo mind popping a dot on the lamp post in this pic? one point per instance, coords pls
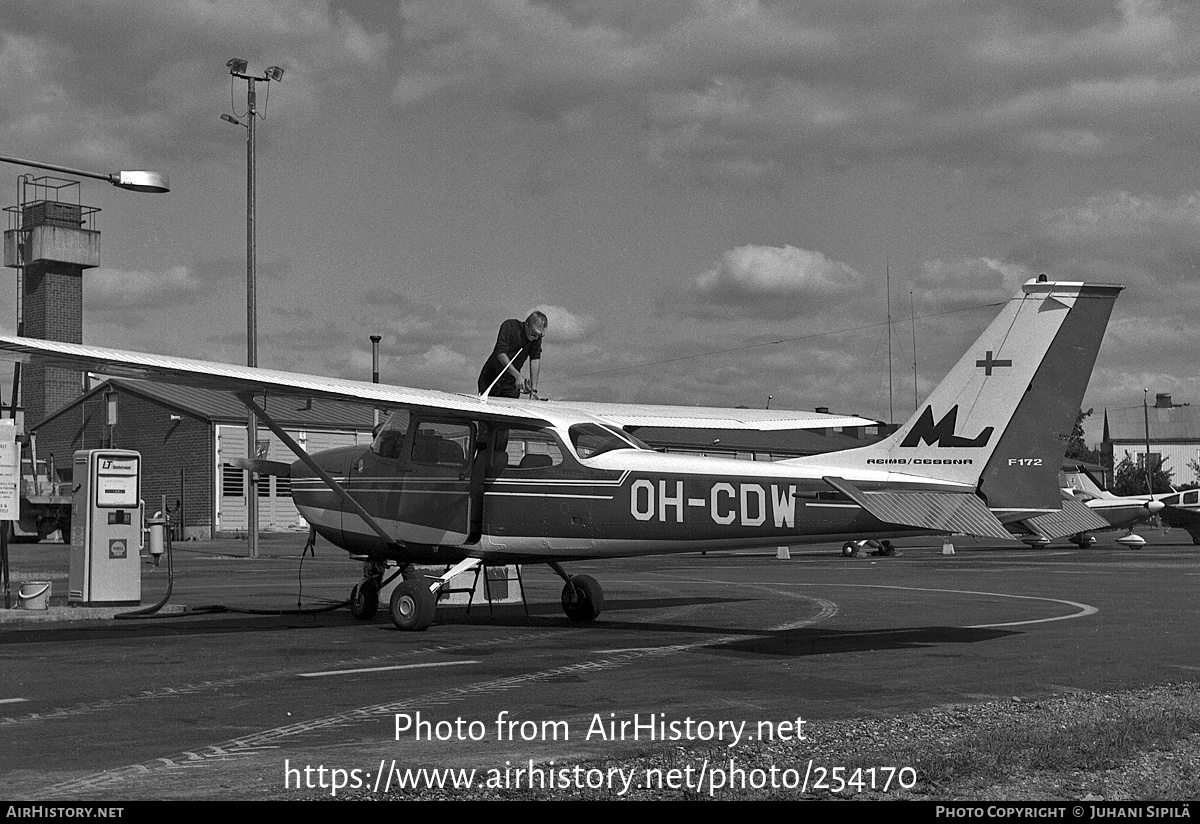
(375, 339)
(135, 181)
(237, 68)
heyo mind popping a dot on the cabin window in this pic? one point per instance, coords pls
(1191, 497)
(389, 443)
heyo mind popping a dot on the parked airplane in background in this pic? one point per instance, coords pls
(467, 481)
(1182, 509)
(1120, 512)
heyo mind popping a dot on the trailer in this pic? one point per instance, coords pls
(45, 500)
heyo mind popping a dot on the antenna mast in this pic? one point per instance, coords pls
(912, 309)
(888, 271)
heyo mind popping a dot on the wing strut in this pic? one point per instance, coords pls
(320, 472)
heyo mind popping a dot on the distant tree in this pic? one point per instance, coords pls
(1130, 478)
(1077, 449)
(1193, 467)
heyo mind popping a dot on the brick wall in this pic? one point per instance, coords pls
(169, 450)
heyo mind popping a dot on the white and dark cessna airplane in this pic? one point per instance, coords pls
(468, 481)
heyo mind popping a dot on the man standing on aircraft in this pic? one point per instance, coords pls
(516, 342)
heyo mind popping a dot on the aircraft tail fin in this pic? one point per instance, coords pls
(998, 423)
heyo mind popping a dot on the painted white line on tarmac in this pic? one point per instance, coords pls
(12, 700)
(1082, 610)
(383, 669)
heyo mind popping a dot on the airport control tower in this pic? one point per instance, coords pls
(51, 239)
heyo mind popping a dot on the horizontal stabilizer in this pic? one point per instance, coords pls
(1073, 518)
(265, 467)
(947, 512)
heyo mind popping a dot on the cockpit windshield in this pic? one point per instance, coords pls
(590, 440)
(390, 441)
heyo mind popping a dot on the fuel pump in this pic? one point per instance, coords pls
(106, 528)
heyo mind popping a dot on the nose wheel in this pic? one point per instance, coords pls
(364, 597)
(364, 600)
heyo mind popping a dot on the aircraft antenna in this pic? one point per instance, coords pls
(888, 273)
(483, 396)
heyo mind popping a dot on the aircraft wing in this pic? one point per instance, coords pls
(257, 381)
(251, 380)
(701, 417)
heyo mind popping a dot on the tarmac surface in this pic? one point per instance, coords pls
(268, 704)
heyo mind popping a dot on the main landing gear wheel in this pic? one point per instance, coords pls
(413, 605)
(582, 599)
(364, 600)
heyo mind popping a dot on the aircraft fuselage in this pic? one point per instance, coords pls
(533, 497)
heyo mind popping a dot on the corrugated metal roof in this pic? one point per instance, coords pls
(223, 407)
(1174, 423)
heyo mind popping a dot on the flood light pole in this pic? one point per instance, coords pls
(237, 68)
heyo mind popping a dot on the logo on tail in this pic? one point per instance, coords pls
(941, 434)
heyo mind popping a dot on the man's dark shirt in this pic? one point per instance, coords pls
(509, 341)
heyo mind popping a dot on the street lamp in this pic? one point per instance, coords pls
(237, 68)
(135, 181)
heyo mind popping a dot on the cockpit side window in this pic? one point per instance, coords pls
(629, 436)
(389, 443)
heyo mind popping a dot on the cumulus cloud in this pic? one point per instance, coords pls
(112, 290)
(732, 92)
(63, 53)
(968, 282)
(565, 326)
(1122, 235)
(773, 282)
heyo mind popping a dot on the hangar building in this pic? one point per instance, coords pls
(1174, 436)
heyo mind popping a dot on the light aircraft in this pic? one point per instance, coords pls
(468, 481)
(1121, 512)
(1182, 509)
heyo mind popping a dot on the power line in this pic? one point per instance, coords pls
(777, 342)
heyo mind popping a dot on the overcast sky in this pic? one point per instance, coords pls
(705, 197)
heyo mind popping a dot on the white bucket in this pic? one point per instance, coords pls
(34, 595)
